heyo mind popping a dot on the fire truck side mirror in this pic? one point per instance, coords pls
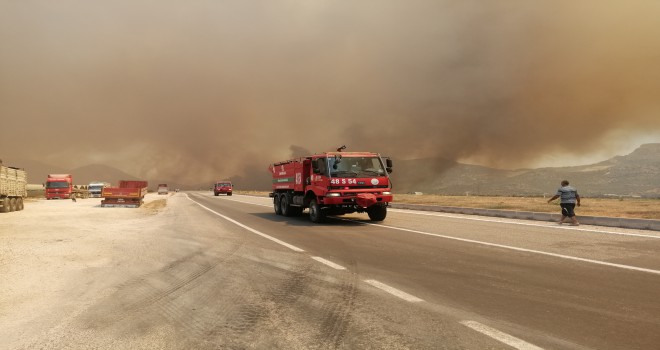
(388, 162)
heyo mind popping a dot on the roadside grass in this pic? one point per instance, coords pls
(639, 208)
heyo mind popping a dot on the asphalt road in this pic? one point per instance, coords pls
(470, 280)
(207, 272)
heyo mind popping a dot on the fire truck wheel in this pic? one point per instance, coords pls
(276, 205)
(377, 213)
(285, 205)
(316, 215)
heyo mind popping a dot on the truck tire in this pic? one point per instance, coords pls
(285, 205)
(377, 212)
(12, 204)
(5, 205)
(217, 194)
(276, 205)
(316, 215)
(229, 194)
(20, 204)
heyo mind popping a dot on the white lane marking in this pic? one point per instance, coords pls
(329, 263)
(568, 257)
(292, 247)
(504, 221)
(509, 221)
(627, 267)
(500, 336)
(397, 293)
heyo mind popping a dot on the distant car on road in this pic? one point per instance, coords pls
(224, 187)
(162, 189)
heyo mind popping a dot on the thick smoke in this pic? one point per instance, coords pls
(199, 91)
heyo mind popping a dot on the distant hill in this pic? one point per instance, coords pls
(637, 174)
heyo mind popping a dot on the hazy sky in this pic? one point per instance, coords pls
(199, 90)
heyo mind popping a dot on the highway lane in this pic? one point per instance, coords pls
(517, 277)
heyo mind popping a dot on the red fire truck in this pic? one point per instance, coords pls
(333, 183)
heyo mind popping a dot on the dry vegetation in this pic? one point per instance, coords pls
(611, 207)
(155, 205)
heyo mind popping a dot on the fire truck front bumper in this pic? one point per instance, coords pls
(363, 200)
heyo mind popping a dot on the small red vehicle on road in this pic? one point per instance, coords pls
(223, 187)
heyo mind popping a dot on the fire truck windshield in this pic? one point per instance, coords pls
(356, 167)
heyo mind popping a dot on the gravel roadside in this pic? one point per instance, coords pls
(54, 261)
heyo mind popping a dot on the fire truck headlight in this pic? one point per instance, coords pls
(332, 195)
(387, 193)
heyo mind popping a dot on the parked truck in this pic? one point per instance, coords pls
(13, 183)
(95, 188)
(332, 183)
(59, 186)
(129, 194)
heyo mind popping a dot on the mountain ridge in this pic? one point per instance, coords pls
(634, 174)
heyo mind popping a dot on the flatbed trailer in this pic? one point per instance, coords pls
(129, 194)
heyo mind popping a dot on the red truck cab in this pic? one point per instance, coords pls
(59, 186)
(223, 187)
(333, 183)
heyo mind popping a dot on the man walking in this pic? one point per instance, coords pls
(569, 197)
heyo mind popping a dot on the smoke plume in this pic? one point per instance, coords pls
(198, 91)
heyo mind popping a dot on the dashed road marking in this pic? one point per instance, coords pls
(500, 336)
(398, 293)
(329, 263)
(567, 257)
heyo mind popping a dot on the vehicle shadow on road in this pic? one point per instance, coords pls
(303, 220)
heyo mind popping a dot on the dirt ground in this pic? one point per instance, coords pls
(38, 278)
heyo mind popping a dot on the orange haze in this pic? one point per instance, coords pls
(202, 90)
